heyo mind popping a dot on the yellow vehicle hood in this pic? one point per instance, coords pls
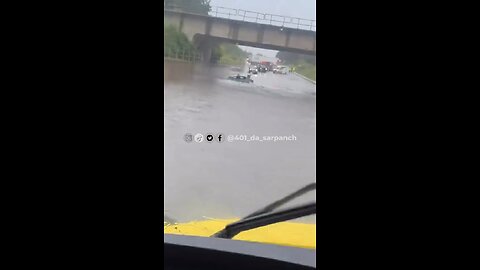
(294, 234)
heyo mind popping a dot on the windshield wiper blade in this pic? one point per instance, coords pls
(269, 208)
(266, 219)
(283, 200)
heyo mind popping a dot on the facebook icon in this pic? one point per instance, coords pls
(220, 137)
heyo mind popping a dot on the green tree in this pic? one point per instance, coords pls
(174, 40)
(191, 6)
(229, 54)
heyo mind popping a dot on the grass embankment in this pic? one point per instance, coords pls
(229, 54)
(305, 65)
(306, 69)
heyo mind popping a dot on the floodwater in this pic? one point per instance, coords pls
(232, 179)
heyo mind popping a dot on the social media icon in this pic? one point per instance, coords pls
(209, 137)
(199, 138)
(188, 137)
(220, 137)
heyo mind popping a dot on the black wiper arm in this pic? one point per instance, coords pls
(276, 204)
(283, 200)
(266, 219)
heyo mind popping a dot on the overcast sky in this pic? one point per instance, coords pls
(305, 9)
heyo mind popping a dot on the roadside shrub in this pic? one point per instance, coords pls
(174, 40)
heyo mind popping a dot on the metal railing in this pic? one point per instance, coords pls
(263, 18)
(257, 17)
(182, 54)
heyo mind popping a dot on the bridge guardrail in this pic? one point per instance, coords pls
(263, 18)
(185, 55)
(257, 17)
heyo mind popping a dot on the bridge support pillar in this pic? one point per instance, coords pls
(206, 54)
(205, 46)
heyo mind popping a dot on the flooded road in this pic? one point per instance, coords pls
(232, 179)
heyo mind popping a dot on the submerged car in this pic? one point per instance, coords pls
(280, 70)
(240, 78)
(263, 69)
(253, 70)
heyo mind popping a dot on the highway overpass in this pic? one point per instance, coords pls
(205, 31)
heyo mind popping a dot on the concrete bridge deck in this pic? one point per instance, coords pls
(204, 31)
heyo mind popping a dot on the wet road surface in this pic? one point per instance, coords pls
(232, 179)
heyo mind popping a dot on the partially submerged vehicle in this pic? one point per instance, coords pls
(241, 78)
(253, 70)
(262, 69)
(265, 239)
(280, 70)
(269, 66)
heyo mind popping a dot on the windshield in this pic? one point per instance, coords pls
(237, 143)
